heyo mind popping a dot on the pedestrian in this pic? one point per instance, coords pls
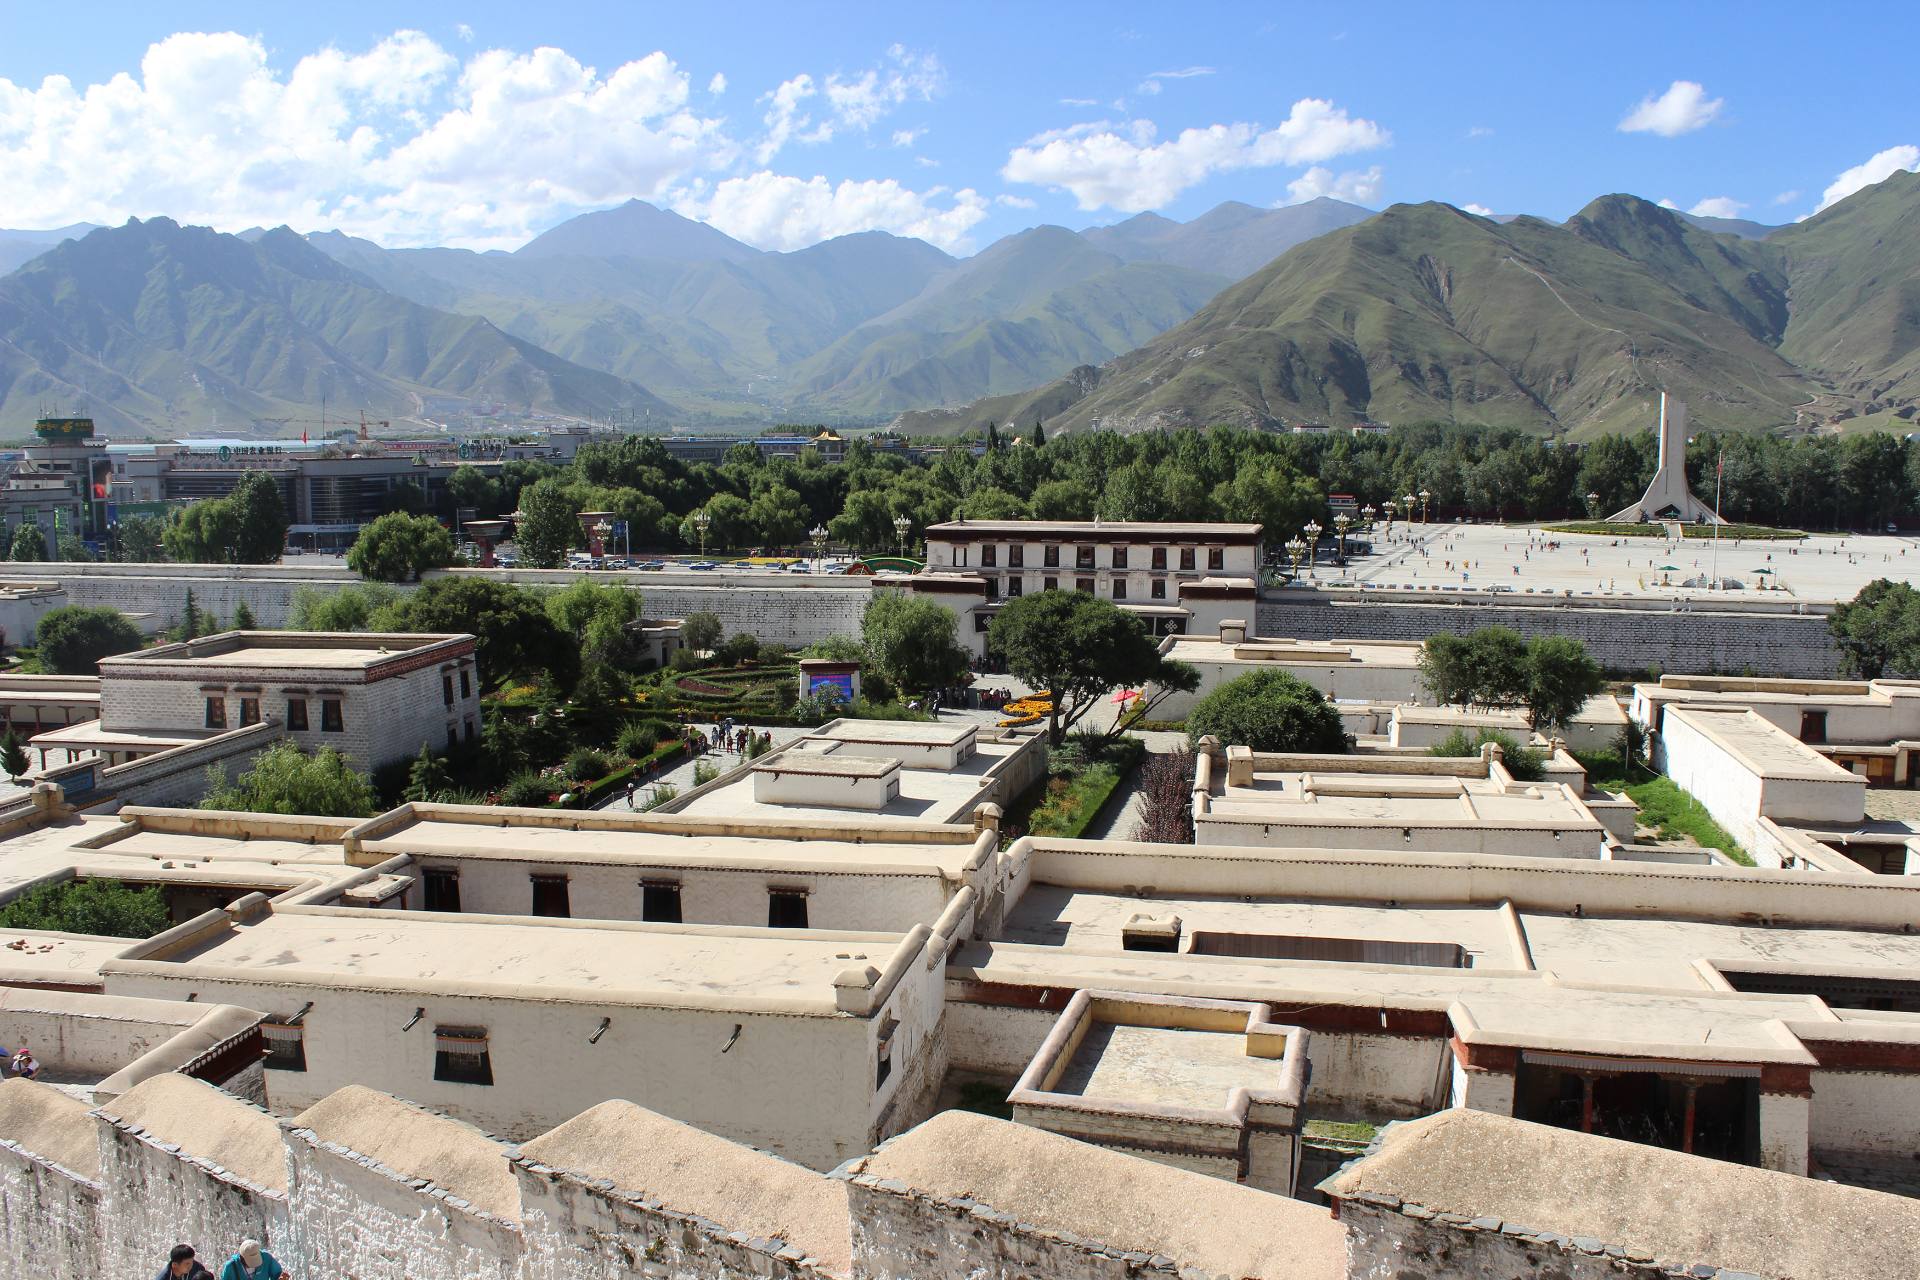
(252, 1263)
(630, 793)
(182, 1265)
(24, 1065)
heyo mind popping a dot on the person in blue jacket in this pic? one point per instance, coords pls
(252, 1263)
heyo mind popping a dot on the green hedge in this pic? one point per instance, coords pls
(601, 788)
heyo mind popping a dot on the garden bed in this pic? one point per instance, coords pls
(1082, 775)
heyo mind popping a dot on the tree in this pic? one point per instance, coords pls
(141, 537)
(550, 524)
(1487, 668)
(426, 777)
(243, 618)
(191, 620)
(700, 631)
(29, 543)
(1878, 631)
(72, 639)
(397, 547)
(284, 779)
(1039, 434)
(261, 519)
(100, 908)
(1445, 668)
(1270, 711)
(469, 486)
(1074, 649)
(516, 640)
(348, 608)
(72, 550)
(203, 533)
(910, 642)
(13, 756)
(780, 516)
(1561, 676)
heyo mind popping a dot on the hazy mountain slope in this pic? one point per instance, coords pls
(1425, 312)
(1744, 228)
(1854, 280)
(1043, 300)
(1232, 239)
(637, 229)
(154, 326)
(20, 247)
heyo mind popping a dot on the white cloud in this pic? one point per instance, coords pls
(1787, 197)
(1878, 168)
(1683, 108)
(1477, 210)
(1079, 102)
(1718, 207)
(785, 116)
(1015, 202)
(404, 143)
(1665, 203)
(852, 102)
(907, 137)
(1479, 131)
(1355, 186)
(1152, 83)
(777, 211)
(1124, 168)
(718, 84)
(464, 31)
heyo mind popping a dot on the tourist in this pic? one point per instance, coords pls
(252, 1263)
(182, 1265)
(24, 1065)
(630, 789)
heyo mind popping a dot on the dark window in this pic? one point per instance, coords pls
(446, 689)
(1015, 585)
(989, 556)
(216, 712)
(249, 711)
(786, 909)
(469, 728)
(286, 1046)
(1813, 726)
(1049, 584)
(466, 686)
(1050, 558)
(1159, 589)
(1159, 557)
(1119, 557)
(460, 1055)
(1083, 557)
(442, 888)
(982, 621)
(1119, 588)
(660, 901)
(330, 719)
(1216, 558)
(1017, 556)
(453, 735)
(297, 715)
(883, 1057)
(1186, 557)
(993, 588)
(550, 896)
(1083, 584)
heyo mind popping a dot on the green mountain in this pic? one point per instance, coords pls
(637, 229)
(155, 327)
(1428, 313)
(1232, 239)
(20, 247)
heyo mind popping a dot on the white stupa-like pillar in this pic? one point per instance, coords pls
(1667, 496)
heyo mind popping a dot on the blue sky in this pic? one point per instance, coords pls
(481, 124)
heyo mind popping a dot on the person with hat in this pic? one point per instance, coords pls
(182, 1265)
(252, 1263)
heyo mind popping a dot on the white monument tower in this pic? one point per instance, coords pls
(1667, 497)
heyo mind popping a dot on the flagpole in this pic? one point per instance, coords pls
(1719, 473)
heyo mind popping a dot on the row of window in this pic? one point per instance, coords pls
(332, 717)
(446, 686)
(1083, 557)
(659, 899)
(460, 1054)
(1016, 585)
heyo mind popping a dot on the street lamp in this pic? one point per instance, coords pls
(1424, 514)
(1296, 549)
(1410, 499)
(1340, 522)
(601, 528)
(1313, 544)
(702, 521)
(1391, 507)
(819, 536)
(1593, 505)
(900, 526)
(1368, 512)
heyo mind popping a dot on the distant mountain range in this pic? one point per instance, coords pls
(1426, 313)
(1319, 312)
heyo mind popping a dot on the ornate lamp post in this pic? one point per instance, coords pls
(1391, 506)
(1410, 499)
(819, 536)
(1593, 506)
(1425, 514)
(1295, 550)
(1367, 513)
(1312, 531)
(900, 526)
(702, 521)
(1340, 523)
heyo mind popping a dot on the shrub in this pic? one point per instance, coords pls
(586, 764)
(705, 771)
(662, 793)
(526, 791)
(771, 654)
(1269, 711)
(738, 649)
(101, 907)
(637, 738)
(1526, 764)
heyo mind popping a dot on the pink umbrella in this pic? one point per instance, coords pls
(1125, 695)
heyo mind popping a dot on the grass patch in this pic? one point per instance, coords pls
(1342, 1131)
(1601, 528)
(1674, 813)
(1082, 775)
(987, 1099)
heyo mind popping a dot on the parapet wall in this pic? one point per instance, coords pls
(1620, 636)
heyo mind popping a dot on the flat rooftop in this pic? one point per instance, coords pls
(1763, 747)
(599, 962)
(1258, 651)
(1166, 1066)
(287, 650)
(926, 795)
(1332, 798)
(1103, 528)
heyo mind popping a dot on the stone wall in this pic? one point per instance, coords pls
(51, 1224)
(157, 1196)
(178, 778)
(1390, 1241)
(1620, 637)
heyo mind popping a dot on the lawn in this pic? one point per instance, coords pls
(1674, 813)
(1729, 531)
